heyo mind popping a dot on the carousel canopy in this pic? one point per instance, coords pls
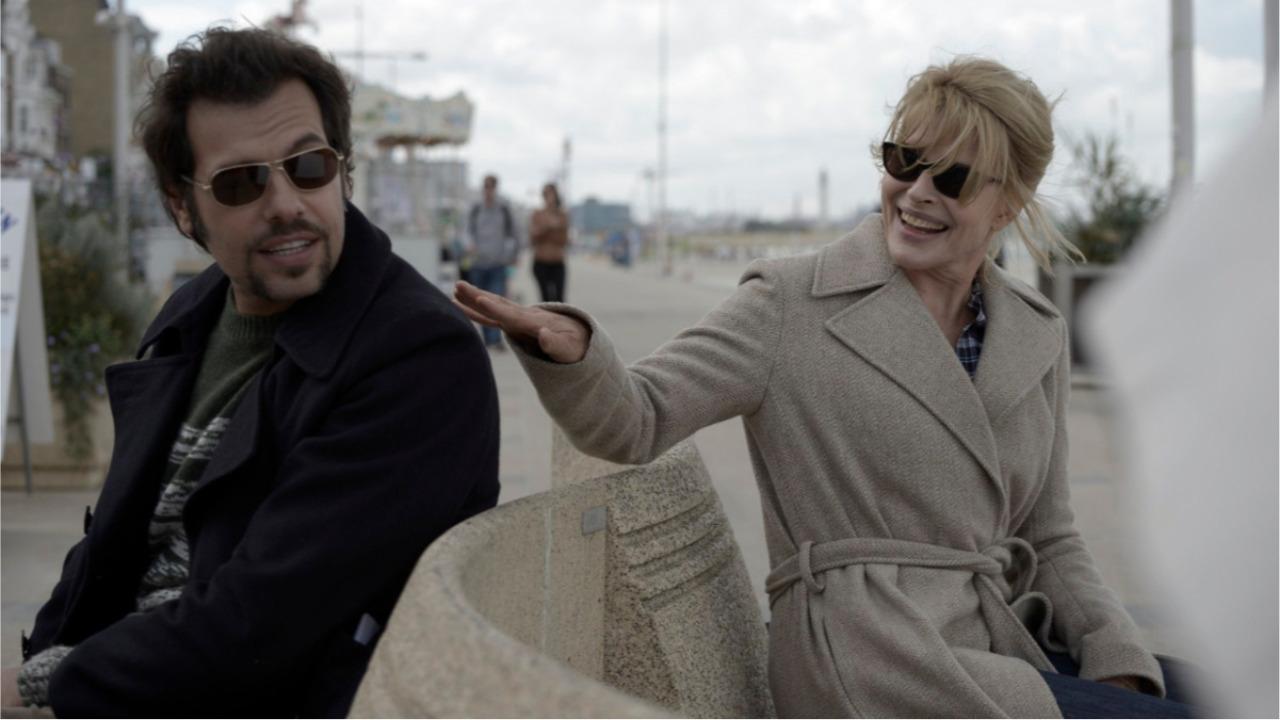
(389, 119)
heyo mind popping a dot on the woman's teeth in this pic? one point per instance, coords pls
(920, 223)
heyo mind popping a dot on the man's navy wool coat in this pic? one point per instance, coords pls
(372, 429)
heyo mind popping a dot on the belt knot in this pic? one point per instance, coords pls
(1018, 564)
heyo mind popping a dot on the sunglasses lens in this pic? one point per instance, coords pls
(239, 185)
(902, 163)
(312, 170)
(951, 182)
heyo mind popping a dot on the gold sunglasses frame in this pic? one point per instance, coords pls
(271, 165)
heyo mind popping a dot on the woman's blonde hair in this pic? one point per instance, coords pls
(972, 99)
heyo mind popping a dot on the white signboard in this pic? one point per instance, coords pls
(22, 335)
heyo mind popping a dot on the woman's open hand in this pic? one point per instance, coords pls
(563, 338)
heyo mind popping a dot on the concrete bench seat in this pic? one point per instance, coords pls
(619, 593)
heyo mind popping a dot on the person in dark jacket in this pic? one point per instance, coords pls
(303, 419)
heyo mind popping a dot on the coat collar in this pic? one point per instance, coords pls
(316, 329)
(890, 328)
(857, 261)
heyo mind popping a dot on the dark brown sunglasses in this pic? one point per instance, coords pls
(242, 184)
(905, 164)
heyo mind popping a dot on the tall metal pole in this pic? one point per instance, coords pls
(22, 412)
(664, 242)
(119, 163)
(823, 219)
(566, 160)
(360, 40)
(1182, 78)
(1271, 54)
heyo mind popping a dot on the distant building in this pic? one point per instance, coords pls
(593, 217)
(84, 29)
(36, 86)
(86, 32)
(401, 180)
(415, 194)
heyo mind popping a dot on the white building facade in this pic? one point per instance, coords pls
(35, 90)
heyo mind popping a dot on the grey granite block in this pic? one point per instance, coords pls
(620, 593)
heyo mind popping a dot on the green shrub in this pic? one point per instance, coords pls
(93, 315)
(1118, 205)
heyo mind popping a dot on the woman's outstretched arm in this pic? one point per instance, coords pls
(715, 370)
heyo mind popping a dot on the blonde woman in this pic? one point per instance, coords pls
(905, 404)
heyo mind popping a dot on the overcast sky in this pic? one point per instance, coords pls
(763, 93)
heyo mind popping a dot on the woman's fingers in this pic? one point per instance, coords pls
(562, 338)
(475, 316)
(494, 310)
(480, 305)
(467, 294)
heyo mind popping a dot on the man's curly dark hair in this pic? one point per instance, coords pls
(223, 65)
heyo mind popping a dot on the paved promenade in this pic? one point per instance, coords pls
(640, 309)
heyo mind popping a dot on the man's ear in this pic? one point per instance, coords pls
(181, 213)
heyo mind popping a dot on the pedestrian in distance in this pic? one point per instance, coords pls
(905, 404)
(549, 238)
(492, 248)
(303, 418)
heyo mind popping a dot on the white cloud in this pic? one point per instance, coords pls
(761, 93)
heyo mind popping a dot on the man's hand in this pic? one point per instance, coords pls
(563, 338)
(10, 697)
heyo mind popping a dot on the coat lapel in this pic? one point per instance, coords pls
(314, 334)
(1022, 343)
(147, 398)
(238, 444)
(891, 330)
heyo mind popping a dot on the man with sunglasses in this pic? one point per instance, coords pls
(303, 419)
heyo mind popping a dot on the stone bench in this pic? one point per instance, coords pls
(619, 593)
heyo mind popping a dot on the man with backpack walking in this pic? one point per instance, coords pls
(493, 247)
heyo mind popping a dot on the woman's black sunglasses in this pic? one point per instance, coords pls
(242, 184)
(905, 164)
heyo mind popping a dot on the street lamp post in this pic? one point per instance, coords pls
(119, 163)
(1182, 78)
(664, 242)
(1271, 48)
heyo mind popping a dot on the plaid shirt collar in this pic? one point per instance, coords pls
(969, 346)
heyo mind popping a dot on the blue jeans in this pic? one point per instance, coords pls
(1088, 699)
(494, 279)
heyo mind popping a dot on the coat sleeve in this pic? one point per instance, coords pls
(52, 613)
(405, 449)
(1098, 632)
(718, 369)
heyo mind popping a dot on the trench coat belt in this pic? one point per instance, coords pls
(1004, 570)
(1010, 563)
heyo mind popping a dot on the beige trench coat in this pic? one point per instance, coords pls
(918, 522)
